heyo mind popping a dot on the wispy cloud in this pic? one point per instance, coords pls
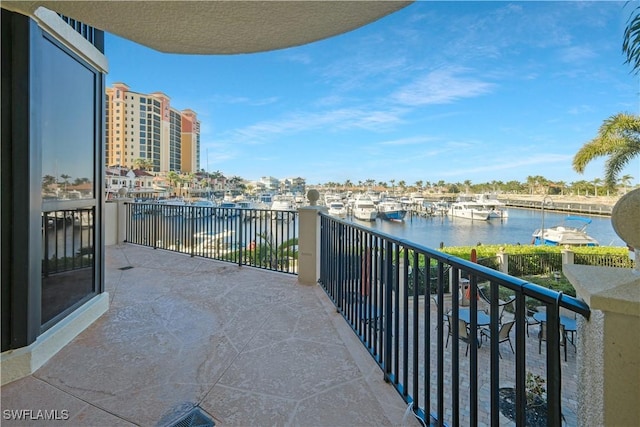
(333, 120)
(510, 163)
(408, 141)
(243, 100)
(441, 86)
(576, 54)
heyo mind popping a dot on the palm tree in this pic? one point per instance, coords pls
(65, 177)
(631, 41)
(596, 182)
(143, 164)
(267, 252)
(48, 180)
(625, 180)
(173, 177)
(619, 138)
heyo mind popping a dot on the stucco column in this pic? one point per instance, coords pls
(503, 260)
(608, 345)
(121, 222)
(309, 241)
(608, 358)
(568, 256)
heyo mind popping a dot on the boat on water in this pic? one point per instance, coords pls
(573, 232)
(281, 206)
(497, 209)
(391, 210)
(209, 245)
(337, 208)
(364, 208)
(174, 206)
(470, 210)
(202, 208)
(440, 208)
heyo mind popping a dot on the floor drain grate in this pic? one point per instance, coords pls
(195, 418)
(128, 267)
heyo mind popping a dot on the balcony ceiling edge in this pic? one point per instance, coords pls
(219, 27)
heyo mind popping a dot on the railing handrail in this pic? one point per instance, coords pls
(529, 289)
(261, 238)
(367, 275)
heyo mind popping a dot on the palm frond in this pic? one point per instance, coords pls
(631, 40)
(618, 160)
(614, 135)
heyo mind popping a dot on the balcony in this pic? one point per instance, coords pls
(248, 346)
(188, 332)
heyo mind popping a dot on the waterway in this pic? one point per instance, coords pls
(516, 229)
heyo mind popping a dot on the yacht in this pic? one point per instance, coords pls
(337, 208)
(470, 210)
(391, 210)
(280, 206)
(497, 209)
(364, 209)
(572, 232)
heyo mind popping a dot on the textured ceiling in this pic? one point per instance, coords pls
(219, 27)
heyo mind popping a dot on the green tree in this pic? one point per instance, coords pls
(65, 177)
(619, 139)
(144, 164)
(48, 180)
(626, 180)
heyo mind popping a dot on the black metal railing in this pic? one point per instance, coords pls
(67, 240)
(255, 237)
(374, 280)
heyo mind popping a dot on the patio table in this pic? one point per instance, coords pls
(483, 318)
(568, 323)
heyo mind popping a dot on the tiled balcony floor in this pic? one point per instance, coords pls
(250, 347)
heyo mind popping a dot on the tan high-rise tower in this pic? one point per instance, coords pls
(145, 126)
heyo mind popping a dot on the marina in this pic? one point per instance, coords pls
(516, 229)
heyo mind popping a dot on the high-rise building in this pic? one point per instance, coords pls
(145, 126)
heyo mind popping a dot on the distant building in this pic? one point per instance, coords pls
(145, 126)
(270, 183)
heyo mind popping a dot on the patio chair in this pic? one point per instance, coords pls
(531, 321)
(444, 315)
(504, 305)
(542, 336)
(503, 334)
(464, 333)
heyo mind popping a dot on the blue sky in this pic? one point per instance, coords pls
(448, 90)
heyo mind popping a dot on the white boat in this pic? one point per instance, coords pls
(227, 209)
(391, 210)
(174, 206)
(470, 210)
(440, 208)
(572, 232)
(209, 245)
(497, 209)
(337, 208)
(251, 208)
(280, 206)
(201, 208)
(364, 209)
